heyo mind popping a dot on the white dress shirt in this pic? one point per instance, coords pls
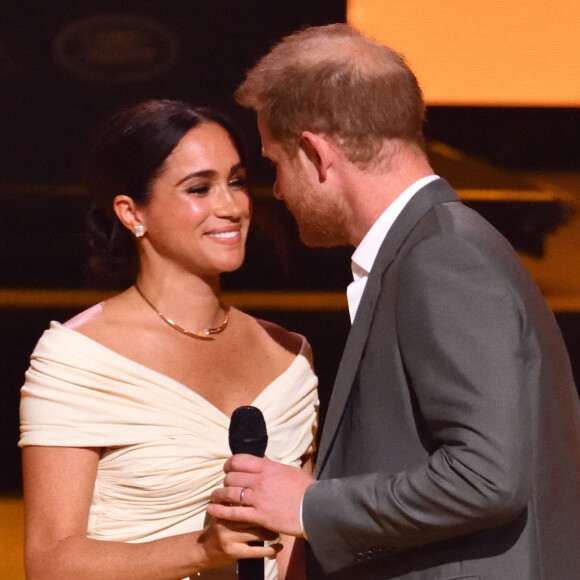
(366, 252)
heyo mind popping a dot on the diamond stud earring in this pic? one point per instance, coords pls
(139, 231)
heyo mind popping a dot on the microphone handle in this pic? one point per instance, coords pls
(248, 434)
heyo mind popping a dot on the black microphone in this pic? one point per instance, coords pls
(248, 435)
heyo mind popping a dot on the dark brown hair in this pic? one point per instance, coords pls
(332, 80)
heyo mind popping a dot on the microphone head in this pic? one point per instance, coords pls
(248, 431)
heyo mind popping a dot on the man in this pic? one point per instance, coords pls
(451, 447)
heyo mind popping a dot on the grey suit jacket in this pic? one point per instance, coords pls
(451, 446)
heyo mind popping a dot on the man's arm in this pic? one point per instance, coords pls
(460, 327)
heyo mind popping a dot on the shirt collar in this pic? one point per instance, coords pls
(364, 256)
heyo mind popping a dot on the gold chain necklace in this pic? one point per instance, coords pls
(204, 334)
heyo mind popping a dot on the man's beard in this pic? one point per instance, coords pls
(322, 220)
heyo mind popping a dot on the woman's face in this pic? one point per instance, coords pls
(199, 212)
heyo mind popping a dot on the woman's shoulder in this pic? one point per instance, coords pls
(86, 318)
(290, 341)
(100, 319)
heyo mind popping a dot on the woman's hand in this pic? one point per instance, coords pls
(224, 542)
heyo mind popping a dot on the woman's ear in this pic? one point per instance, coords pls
(319, 151)
(126, 210)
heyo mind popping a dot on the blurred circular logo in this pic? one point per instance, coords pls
(115, 49)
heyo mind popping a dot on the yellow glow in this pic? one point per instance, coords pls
(487, 52)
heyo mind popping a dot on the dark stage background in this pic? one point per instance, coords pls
(65, 65)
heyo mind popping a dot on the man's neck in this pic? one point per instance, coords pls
(370, 193)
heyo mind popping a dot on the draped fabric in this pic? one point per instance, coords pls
(164, 445)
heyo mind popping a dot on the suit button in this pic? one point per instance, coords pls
(372, 554)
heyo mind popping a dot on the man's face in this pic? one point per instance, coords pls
(321, 215)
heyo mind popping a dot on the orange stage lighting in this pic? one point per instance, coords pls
(483, 53)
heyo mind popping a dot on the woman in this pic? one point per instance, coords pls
(125, 410)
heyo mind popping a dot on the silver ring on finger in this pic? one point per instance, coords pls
(242, 497)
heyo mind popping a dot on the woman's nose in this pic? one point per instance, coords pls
(229, 204)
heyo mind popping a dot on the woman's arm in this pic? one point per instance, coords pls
(58, 488)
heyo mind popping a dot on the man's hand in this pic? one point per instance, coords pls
(272, 494)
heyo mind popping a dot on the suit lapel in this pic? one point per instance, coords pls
(438, 191)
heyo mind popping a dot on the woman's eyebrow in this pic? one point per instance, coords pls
(208, 173)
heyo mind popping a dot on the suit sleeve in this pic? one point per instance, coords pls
(461, 327)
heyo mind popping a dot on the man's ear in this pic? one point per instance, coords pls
(319, 151)
(126, 210)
